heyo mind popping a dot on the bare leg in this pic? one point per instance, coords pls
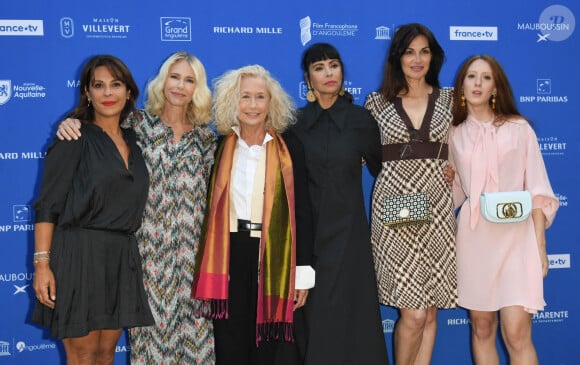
(516, 329)
(409, 335)
(82, 350)
(483, 337)
(428, 340)
(98, 347)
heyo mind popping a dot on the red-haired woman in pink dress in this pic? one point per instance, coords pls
(500, 266)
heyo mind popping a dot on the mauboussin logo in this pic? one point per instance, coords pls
(175, 29)
(556, 23)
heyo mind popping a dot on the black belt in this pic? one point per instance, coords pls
(244, 225)
(414, 150)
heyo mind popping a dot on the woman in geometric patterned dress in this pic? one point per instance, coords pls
(178, 147)
(415, 264)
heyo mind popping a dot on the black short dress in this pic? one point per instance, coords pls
(96, 203)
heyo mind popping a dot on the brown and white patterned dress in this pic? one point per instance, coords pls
(415, 265)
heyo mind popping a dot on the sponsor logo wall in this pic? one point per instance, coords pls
(45, 45)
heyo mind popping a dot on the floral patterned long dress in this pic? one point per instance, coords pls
(168, 242)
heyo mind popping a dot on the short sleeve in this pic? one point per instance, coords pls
(60, 165)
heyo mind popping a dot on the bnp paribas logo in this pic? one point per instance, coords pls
(5, 91)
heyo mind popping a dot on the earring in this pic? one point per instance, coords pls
(89, 103)
(462, 99)
(310, 96)
(493, 96)
(342, 91)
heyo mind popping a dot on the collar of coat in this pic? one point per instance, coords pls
(312, 111)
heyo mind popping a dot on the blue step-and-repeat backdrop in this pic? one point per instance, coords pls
(44, 43)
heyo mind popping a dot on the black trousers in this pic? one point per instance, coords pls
(235, 337)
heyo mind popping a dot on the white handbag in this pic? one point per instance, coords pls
(506, 206)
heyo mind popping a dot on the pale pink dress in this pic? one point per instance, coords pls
(498, 265)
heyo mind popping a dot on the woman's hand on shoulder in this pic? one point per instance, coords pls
(69, 129)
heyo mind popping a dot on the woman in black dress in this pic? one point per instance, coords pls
(342, 313)
(87, 271)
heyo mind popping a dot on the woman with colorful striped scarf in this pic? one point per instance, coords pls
(254, 269)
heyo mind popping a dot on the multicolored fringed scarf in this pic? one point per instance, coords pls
(277, 245)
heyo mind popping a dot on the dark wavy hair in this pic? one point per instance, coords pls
(394, 81)
(505, 105)
(320, 52)
(120, 71)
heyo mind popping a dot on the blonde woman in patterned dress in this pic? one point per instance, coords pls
(415, 265)
(178, 147)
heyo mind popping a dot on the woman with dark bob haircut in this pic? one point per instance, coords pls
(343, 318)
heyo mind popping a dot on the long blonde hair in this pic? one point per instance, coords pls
(199, 108)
